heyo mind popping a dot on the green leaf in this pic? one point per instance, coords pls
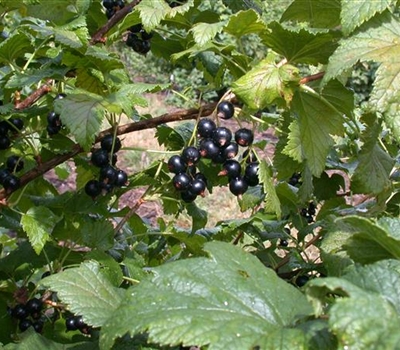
(251, 198)
(374, 167)
(266, 84)
(68, 38)
(87, 292)
(15, 46)
(236, 5)
(187, 301)
(379, 43)
(272, 203)
(355, 13)
(368, 312)
(38, 222)
(310, 134)
(205, 32)
(319, 13)
(83, 115)
(301, 46)
(370, 241)
(97, 234)
(199, 216)
(152, 12)
(243, 23)
(33, 76)
(110, 268)
(339, 97)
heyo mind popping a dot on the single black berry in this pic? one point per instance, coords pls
(11, 183)
(122, 178)
(304, 212)
(106, 187)
(3, 174)
(188, 196)
(301, 280)
(205, 128)
(17, 124)
(60, 96)
(5, 141)
(53, 119)
(294, 179)
(208, 148)
(311, 208)
(283, 243)
(14, 163)
(4, 127)
(200, 176)
(108, 4)
(24, 324)
(231, 150)
(219, 158)
(231, 168)
(145, 35)
(225, 110)
(108, 174)
(251, 174)
(38, 326)
(107, 143)
(176, 164)
(93, 188)
(79, 323)
(34, 305)
(181, 181)
(20, 312)
(190, 155)
(244, 137)
(70, 324)
(198, 187)
(222, 136)
(110, 12)
(53, 130)
(136, 28)
(250, 156)
(238, 186)
(99, 158)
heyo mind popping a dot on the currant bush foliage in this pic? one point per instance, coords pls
(314, 261)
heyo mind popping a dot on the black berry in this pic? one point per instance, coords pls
(200, 176)
(53, 130)
(122, 178)
(238, 186)
(302, 280)
(20, 312)
(250, 156)
(14, 163)
(231, 168)
(198, 187)
(108, 4)
(34, 305)
(251, 174)
(107, 143)
(17, 124)
(190, 155)
(53, 119)
(222, 136)
(4, 127)
(176, 164)
(208, 148)
(311, 208)
(181, 181)
(38, 326)
(244, 137)
(231, 150)
(283, 243)
(108, 174)
(4, 141)
(24, 325)
(205, 128)
(3, 174)
(11, 183)
(145, 35)
(93, 188)
(70, 324)
(99, 158)
(225, 110)
(188, 196)
(294, 179)
(136, 28)
(60, 96)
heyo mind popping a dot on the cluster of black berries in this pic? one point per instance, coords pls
(295, 179)
(138, 39)
(112, 7)
(12, 125)
(215, 143)
(54, 124)
(29, 314)
(74, 323)
(308, 213)
(105, 158)
(8, 179)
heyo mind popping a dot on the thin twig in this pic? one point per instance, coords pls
(32, 98)
(312, 77)
(128, 215)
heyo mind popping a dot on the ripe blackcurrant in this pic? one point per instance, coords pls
(53, 130)
(205, 127)
(176, 164)
(4, 127)
(108, 4)
(34, 305)
(238, 186)
(60, 96)
(4, 141)
(136, 28)
(198, 187)
(53, 119)
(251, 174)
(145, 35)
(99, 158)
(70, 324)
(231, 150)
(294, 179)
(311, 208)
(208, 148)
(219, 158)
(79, 323)
(225, 110)
(93, 188)
(14, 163)
(244, 137)
(190, 155)
(108, 174)
(181, 181)
(283, 243)
(20, 312)
(11, 183)
(38, 326)
(301, 280)
(200, 176)
(107, 143)
(122, 178)
(3, 174)
(17, 124)
(222, 136)
(24, 324)
(231, 168)
(250, 156)
(188, 196)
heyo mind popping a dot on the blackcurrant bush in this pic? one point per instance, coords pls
(14, 163)
(24, 325)
(205, 128)
(176, 164)
(99, 158)
(107, 143)
(5, 141)
(231, 150)
(93, 188)
(20, 312)
(108, 174)
(222, 136)
(301, 280)
(208, 148)
(70, 324)
(190, 155)
(231, 168)
(225, 110)
(181, 181)
(11, 183)
(34, 305)
(244, 137)
(238, 186)
(251, 174)
(198, 187)
(188, 196)
(122, 178)
(3, 174)
(53, 119)
(17, 124)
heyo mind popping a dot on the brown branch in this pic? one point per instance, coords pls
(183, 114)
(32, 98)
(313, 77)
(98, 37)
(129, 214)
